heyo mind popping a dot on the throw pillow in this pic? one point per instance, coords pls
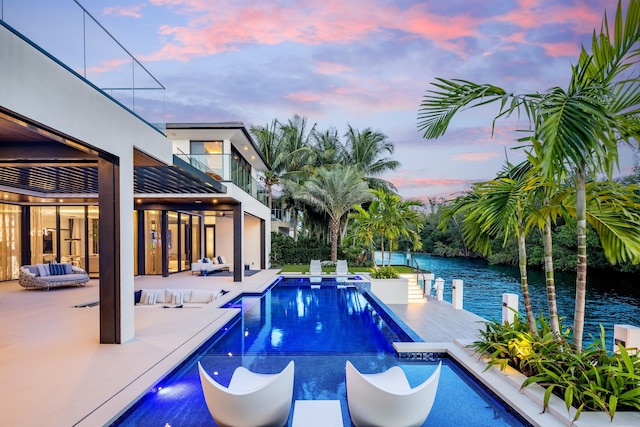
(205, 260)
(220, 261)
(177, 298)
(56, 269)
(43, 269)
(137, 295)
(68, 269)
(148, 297)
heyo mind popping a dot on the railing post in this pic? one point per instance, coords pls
(439, 288)
(457, 288)
(509, 307)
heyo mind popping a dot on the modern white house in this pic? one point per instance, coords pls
(87, 177)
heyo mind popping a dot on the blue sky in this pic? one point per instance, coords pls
(362, 62)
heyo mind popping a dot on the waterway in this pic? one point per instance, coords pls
(611, 298)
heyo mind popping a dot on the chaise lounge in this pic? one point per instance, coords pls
(47, 276)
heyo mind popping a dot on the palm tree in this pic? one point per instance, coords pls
(275, 152)
(500, 207)
(361, 231)
(578, 127)
(334, 191)
(367, 150)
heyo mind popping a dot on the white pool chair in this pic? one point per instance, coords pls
(251, 399)
(342, 268)
(315, 267)
(387, 399)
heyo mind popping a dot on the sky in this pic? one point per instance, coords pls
(364, 63)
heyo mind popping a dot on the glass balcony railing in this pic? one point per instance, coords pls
(68, 32)
(224, 167)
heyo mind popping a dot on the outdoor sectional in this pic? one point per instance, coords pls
(176, 297)
(40, 276)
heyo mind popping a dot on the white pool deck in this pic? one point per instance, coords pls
(54, 372)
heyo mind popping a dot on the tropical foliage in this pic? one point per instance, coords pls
(573, 131)
(589, 380)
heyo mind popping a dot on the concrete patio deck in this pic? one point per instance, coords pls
(55, 371)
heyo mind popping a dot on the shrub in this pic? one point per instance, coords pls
(285, 250)
(384, 273)
(590, 380)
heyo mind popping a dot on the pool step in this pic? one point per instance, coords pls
(415, 292)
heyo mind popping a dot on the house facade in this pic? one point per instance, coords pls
(86, 179)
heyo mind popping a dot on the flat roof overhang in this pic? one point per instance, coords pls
(38, 166)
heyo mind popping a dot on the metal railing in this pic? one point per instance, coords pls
(224, 167)
(69, 33)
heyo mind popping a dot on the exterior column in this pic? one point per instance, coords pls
(115, 201)
(238, 227)
(109, 228)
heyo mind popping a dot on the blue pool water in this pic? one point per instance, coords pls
(320, 329)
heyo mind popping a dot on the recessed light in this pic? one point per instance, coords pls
(198, 201)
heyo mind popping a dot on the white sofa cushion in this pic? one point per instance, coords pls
(199, 296)
(148, 297)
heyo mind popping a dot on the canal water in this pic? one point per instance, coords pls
(611, 298)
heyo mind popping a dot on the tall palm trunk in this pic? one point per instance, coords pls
(382, 251)
(581, 273)
(522, 263)
(550, 279)
(335, 229)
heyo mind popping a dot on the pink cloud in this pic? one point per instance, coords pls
(324, 67)
(234, 23)
(421, 182)
(332, 21)
(108, 65)
(476, 157)
(133, 11)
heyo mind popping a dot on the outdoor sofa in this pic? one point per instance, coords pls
(176, 297)
(47, 276)
(208, 265)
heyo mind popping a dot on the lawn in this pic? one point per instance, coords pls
(304, 268)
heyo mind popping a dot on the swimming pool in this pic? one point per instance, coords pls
(320, 328)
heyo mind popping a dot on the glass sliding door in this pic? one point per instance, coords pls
(185, 242)
(72, 232)
(9, 241)
(93, 256)
(153, 242)
(195, 238)
(44, 234)
(173, 245)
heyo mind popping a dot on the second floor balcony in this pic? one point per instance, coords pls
(224, 167)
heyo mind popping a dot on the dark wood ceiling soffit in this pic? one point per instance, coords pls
(15, 129)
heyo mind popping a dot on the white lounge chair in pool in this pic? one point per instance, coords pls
(251, 399)
(387, 399)
(315, 267)
(342, 268)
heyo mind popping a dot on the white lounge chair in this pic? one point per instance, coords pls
(342, 268)
(315, 267)
(251, 399)
(387, 399)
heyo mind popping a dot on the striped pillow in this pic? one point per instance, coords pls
(57, 269)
